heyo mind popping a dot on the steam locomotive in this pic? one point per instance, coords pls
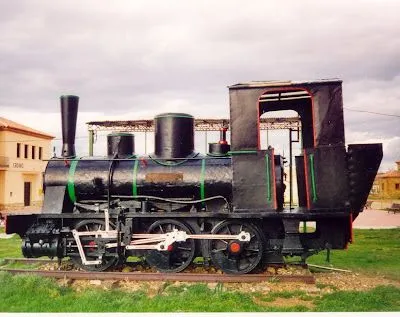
(226, 206)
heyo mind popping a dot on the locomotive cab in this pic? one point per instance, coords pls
(322, 165)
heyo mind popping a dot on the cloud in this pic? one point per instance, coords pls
(132, 59)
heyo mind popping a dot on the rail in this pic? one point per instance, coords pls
(149, 276)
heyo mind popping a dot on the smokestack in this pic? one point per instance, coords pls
(69, 113)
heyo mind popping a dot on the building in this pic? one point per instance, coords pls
(22, 151)
(387, 185)
(286, 181)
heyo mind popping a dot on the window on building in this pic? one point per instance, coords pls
(33, 152)
(26, 151)
(375, 189)
(40, 152)
(397, 186)
(18, 149)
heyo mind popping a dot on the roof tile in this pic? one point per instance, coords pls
(6, 124)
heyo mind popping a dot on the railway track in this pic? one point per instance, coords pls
(146, 276)
(27, 261)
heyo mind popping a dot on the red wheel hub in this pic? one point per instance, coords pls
(235, 247)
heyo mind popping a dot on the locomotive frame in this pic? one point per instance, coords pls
(226, 206)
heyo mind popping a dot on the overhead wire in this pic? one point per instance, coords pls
(372, 112)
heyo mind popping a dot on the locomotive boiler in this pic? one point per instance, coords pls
(226, 206)
(166, 179)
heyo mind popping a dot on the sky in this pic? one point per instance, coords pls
(135, 59)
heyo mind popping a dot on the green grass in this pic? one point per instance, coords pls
(36, 294)
(10, 248)
(373, 252)
(381, 298)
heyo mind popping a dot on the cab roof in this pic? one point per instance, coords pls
(284, 83)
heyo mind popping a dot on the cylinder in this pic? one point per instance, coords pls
(120, 145)
(218, 149)
(174, 135)
(69, 114)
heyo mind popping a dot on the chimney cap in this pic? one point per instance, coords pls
(69, 96)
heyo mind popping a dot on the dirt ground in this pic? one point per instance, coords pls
(377, 219)
(325, 283)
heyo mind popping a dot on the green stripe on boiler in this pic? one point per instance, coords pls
(71, 180)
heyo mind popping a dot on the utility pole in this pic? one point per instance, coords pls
(91, 141)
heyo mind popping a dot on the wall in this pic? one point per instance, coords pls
(21, 169)
(389, 188)
(2, 186)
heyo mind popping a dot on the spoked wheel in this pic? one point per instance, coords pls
(234, 256)
(178, 256)
(89, 246)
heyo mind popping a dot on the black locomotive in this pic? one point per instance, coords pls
(226, 206)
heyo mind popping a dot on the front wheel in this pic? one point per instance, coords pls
(92, 251)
